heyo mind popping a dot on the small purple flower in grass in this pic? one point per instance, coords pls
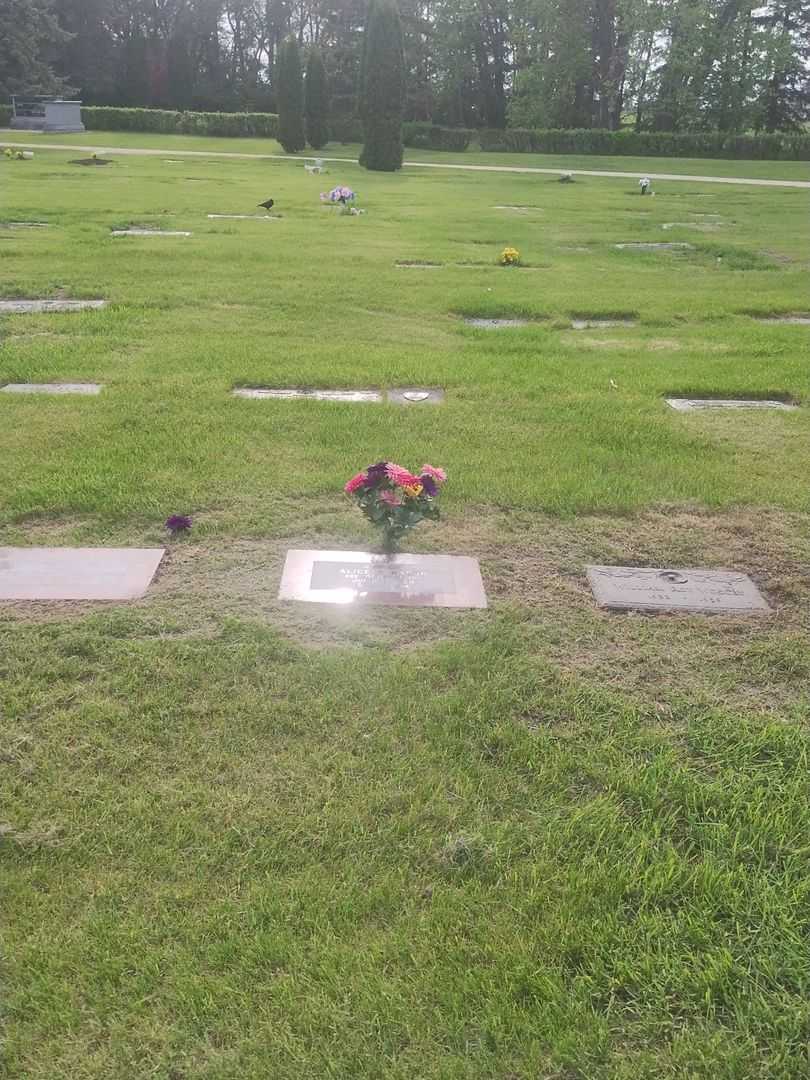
(178, 523)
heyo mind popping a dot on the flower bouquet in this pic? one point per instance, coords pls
(395, 499)
(343, 197)
(509, 257)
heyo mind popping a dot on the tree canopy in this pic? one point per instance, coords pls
(671, 65)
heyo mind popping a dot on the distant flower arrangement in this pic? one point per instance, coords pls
(178, 523)
(395, 499)
(509, 257)
(344, 198)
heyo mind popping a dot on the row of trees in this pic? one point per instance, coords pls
(667, 65)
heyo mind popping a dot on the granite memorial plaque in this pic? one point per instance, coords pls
(286, 394)
(496, 324)
(794, 320)
(243, 217)
(51, 388)
(646, 588)
(148, 232)
(599, 324)
(649, 246)
(23, 307)
(359, 577)
(416, 396)
(76, 573)
(696, 404)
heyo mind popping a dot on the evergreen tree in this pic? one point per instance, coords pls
(383, 88)
(316, 101)
(290, 95)
(29, 33)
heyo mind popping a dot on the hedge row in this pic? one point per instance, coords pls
(647, 144)
(425, 136)
(167, 122)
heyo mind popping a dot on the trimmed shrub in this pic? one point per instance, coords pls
(382, 88)
(647, 143)
(316, 101)
(425, 136)
(168, 122)
(5, 115)
(290, 96)
(345, 129)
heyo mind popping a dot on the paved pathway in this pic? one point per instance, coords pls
(170, 153)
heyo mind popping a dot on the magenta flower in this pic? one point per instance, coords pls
(399, 476)
(439, 475)
(356, 482)
(391, 498)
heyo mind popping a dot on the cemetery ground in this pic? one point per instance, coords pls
(248, 838)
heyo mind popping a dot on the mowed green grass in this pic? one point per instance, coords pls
(249, 840)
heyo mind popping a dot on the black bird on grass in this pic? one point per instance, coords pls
(267, 205)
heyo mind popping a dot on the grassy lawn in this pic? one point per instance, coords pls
(247, 839)
(763, 170)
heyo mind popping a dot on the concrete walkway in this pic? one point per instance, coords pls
(171, 153)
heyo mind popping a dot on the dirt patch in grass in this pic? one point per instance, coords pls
(533, 567)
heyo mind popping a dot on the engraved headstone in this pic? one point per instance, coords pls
(413, 396)
(599, 324)
(22, 307)
(696, 404)
(647, 588)
(76, 573)
(358, 577)
(496, 324)
(51, 388)
(644, 246)
(286, 394)
(148, 232)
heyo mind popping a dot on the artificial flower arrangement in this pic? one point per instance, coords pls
(344, 198)
(395, 499)
(509, 257)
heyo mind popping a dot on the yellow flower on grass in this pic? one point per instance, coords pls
(413, 490)
(509, 257)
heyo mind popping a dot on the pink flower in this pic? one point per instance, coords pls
(439, 475)
(355, 483)
(391, 497)
(399, 476)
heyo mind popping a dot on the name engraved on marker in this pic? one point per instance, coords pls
(367, 580)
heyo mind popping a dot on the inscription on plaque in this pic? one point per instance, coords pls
(358, 577)
(51, 388)
(22, 307)
(696, 404)
(286, 394)
(647, 588)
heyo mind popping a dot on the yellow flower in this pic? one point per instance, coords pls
(413, 490)
(509, 256)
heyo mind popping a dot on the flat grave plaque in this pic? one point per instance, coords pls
(76, 573)
(788, 320)
(413, 396)
(243, 217)
(496, 324)
(22, 307)
(26, 225)
(359, 577)
(599, 324)
(286, 394)
(405, 265)
(650, 246)
(697, 404)
(148, 232)
(646, 588)
(51, 388)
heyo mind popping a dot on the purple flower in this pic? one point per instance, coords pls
(376, 473)
(178, 523)
(429, 485)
